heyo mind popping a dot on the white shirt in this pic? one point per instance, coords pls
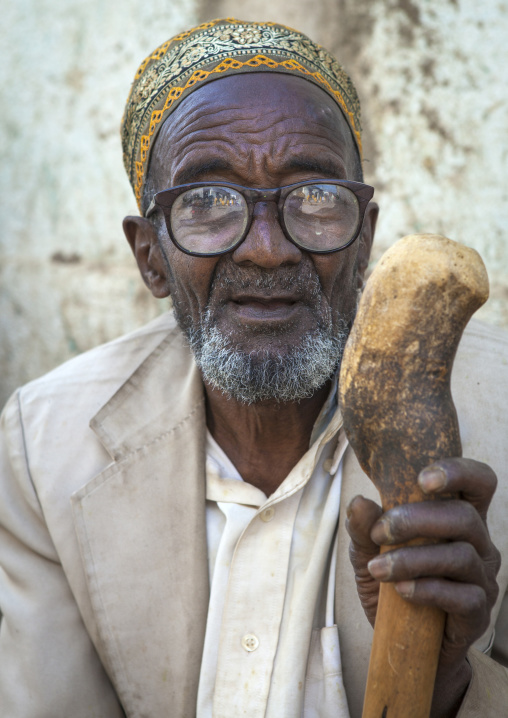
(271, 647)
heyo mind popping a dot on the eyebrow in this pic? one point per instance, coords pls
(195, 171)
(320, 166)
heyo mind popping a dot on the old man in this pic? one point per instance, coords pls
(175, 505)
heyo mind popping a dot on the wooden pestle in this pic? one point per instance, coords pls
(399, 417)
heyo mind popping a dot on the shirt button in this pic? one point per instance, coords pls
(327, 465)
(268, 514)
(250, 642)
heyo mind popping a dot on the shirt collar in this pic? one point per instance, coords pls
(326, 427)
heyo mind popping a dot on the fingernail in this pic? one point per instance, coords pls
(380, 567)
(405, 588)
(382, 532)
(432, 480)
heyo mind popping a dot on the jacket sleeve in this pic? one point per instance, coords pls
(48, 665)
(487, 695)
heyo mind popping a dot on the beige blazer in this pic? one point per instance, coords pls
(103, 565)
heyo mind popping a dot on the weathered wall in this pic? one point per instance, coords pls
(434, 94)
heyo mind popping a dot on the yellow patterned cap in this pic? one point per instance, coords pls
(216, 49)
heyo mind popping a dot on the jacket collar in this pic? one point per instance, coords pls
(155, 399)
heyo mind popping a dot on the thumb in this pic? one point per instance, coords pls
(362, 514)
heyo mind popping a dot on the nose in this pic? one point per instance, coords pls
(265, 245)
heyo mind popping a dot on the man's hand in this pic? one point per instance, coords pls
(457, 575)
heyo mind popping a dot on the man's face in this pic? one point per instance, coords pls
(267, 296)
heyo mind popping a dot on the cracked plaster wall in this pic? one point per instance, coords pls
(433, 82)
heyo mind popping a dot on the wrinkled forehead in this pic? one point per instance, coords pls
(247, 115)
(252, 93)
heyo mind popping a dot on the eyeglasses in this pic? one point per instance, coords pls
(206, 219)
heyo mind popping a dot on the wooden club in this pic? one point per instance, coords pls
(399, 417)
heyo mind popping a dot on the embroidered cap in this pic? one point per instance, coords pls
(217, 49)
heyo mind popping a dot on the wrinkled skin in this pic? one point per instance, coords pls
(300, 134)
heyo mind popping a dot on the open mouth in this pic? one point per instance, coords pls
(265, 308)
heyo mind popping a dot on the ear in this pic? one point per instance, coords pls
(142, 239)
(366, 240)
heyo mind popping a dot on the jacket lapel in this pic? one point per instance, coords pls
(142, 533)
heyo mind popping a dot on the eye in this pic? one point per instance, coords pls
(208, 219)
(321, 217)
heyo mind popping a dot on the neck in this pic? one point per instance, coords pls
(265, 440)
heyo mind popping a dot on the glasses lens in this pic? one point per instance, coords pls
(206, 220)
(321, 217)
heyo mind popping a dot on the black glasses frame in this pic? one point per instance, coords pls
(164, 201)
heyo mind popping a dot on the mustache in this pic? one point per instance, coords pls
(302, 280)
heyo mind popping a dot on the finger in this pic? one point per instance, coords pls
(362, 514)
(466, 606)
(473, 480)
(457, 561)
(447, 520)
(462, 600)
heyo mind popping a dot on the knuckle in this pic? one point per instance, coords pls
(469, 519)
(465, 555)
(496, 559)
(402, 519)
(477, 601)
(469, 567)
(490, 478)
(470, 514)
(467, 552)
(358, 557)
(353, 530)
(353, 553)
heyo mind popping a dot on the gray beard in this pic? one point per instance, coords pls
(268, 375)
(291, 374)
